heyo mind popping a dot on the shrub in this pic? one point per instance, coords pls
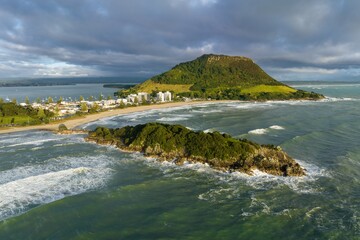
(62, 127)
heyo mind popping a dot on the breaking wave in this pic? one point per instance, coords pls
(19, 195)
(259, 131)
(24, 187)
(262, 131)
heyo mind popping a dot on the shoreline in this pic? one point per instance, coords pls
(73, 123)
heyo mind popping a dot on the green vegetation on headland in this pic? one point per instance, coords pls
(179, 144)
(221, 77)
(12, 114)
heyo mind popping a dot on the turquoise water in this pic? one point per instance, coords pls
(59, 187)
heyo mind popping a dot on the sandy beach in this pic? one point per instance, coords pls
(73, 123)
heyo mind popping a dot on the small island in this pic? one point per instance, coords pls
(178, 144)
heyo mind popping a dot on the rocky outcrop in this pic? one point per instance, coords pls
(145, 138)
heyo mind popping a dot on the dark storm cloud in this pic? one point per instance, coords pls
(291, 39)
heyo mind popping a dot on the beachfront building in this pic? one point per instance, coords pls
(163, 97)
(160, 97)
(131, 98)
(123, 100)
(143, 96)
(167, 96)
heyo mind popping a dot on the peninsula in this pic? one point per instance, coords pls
(178, 144)
(220, 77)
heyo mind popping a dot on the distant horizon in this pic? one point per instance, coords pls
(2, 80)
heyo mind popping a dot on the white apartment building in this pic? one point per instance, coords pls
(160, 96)
(143, 95)
(124, 100)
(131, 98)
(167, 96)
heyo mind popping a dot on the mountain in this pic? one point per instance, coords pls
(221, 77)
(213, 71)
(178, 144)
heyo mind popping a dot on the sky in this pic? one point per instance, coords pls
(291, 40)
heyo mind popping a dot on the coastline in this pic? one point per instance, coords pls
(73, 123)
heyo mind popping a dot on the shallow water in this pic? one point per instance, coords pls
(60, 187)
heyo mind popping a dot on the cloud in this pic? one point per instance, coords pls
(110, 37)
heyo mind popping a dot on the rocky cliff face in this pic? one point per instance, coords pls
(251, 156)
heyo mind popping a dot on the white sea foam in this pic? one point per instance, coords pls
(172, 119)
(25, 186)
(207, 111)
(336, 99)
(210, 130)
(277, 127)
(262, 131)
(261, 180)
(259, 131)
(54, 165)
(17, 196)
(252, 105)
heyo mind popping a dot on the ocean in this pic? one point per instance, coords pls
(60, 187)
(67, 92)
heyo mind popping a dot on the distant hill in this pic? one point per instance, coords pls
(220, 77)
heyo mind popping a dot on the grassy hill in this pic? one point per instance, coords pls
(220, 77)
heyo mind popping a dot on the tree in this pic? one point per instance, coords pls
(84, 107)
(41, 113)
(38, 100)
(14, 101)
(136, 100)
(109, 97)
(122, 104)
(94, 108)
(1, 100)
(50, 100)
(81, 98)
(143, 100)
(56, 111)
(91, 98)
(62, 127)
(27, 101)
(101, 97)
(60, 100)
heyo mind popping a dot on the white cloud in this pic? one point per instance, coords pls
(203, 49)
(314, 70)
(61, 69)
(194, 3)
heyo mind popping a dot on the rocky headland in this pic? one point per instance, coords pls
(178, 144)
